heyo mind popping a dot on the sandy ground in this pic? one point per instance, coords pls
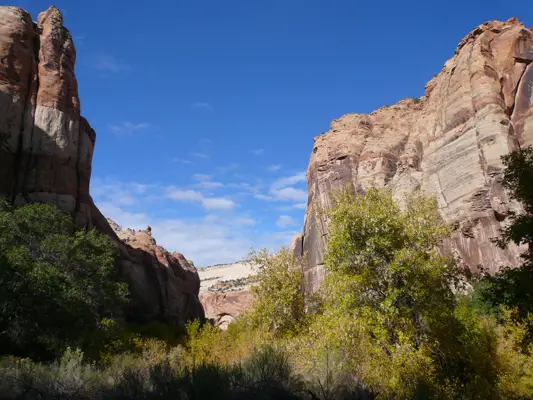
(211, 275)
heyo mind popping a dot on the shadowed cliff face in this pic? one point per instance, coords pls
(447, 143)
(46, 151)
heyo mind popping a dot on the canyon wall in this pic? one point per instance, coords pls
(226, 291)
(447, 143)
(46, 150)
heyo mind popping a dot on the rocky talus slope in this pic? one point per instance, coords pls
(46, 150)
(225, 291)
(447, 143)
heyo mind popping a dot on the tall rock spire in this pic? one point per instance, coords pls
(46, 151)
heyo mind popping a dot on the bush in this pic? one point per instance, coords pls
(58, 284)
(266, 375)
(279, 306)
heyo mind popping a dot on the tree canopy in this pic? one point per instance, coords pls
(58, 283)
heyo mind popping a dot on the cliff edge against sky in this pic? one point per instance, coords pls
(447, 143)
(46, 150)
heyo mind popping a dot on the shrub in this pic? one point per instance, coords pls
(58, 284)
(279, 305)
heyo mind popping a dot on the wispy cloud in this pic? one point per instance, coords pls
(207, 239)
(205, 141)
(274, 167)
(289, 194)
(289, 181)
(209, 203)
(124, 218)
(181, 160)
(202, 105)
(264, 197)
(109, 64)
(208, 185)
(200, 155)
(283, 190)
(285, 221)
(257, 152)
(185, 195)
(127, 127)
(119, 193)
(218, 203)
(204, 181)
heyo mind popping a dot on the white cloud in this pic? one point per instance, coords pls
(300, 206)
(109, 64)
(127, 127)
(209, 203)
(285, 237)
(200, 155)
(181, 160)
(211, 238)
(119, 193)
(247, 221)
(289, 194)
(285, 221)
(185, 195)
(263, 197)
(274, 167)
(283, 190)
(257, 152)
(124, 218)
(202, 105)
(289, 181)
(218, 203)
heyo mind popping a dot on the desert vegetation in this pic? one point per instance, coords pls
(395, 318)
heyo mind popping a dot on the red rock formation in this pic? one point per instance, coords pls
(226, 291)
(46, 151)
(223, 308)
(447, 143)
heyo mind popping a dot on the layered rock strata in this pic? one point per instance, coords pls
(447, 143)
(225, 291)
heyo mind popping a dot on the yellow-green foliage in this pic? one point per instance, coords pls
(279, 303)
(514, 359)
(387, 313)
(392, 320)
(209, 345)
(388, 283)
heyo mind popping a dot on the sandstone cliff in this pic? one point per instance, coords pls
(46, 151)
(225, 291)
(447, 143)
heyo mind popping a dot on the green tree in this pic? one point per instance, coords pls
(514, 287)
(279, 302)
(387, 298)
(58, 284)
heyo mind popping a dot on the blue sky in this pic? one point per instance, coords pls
(205, 111)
